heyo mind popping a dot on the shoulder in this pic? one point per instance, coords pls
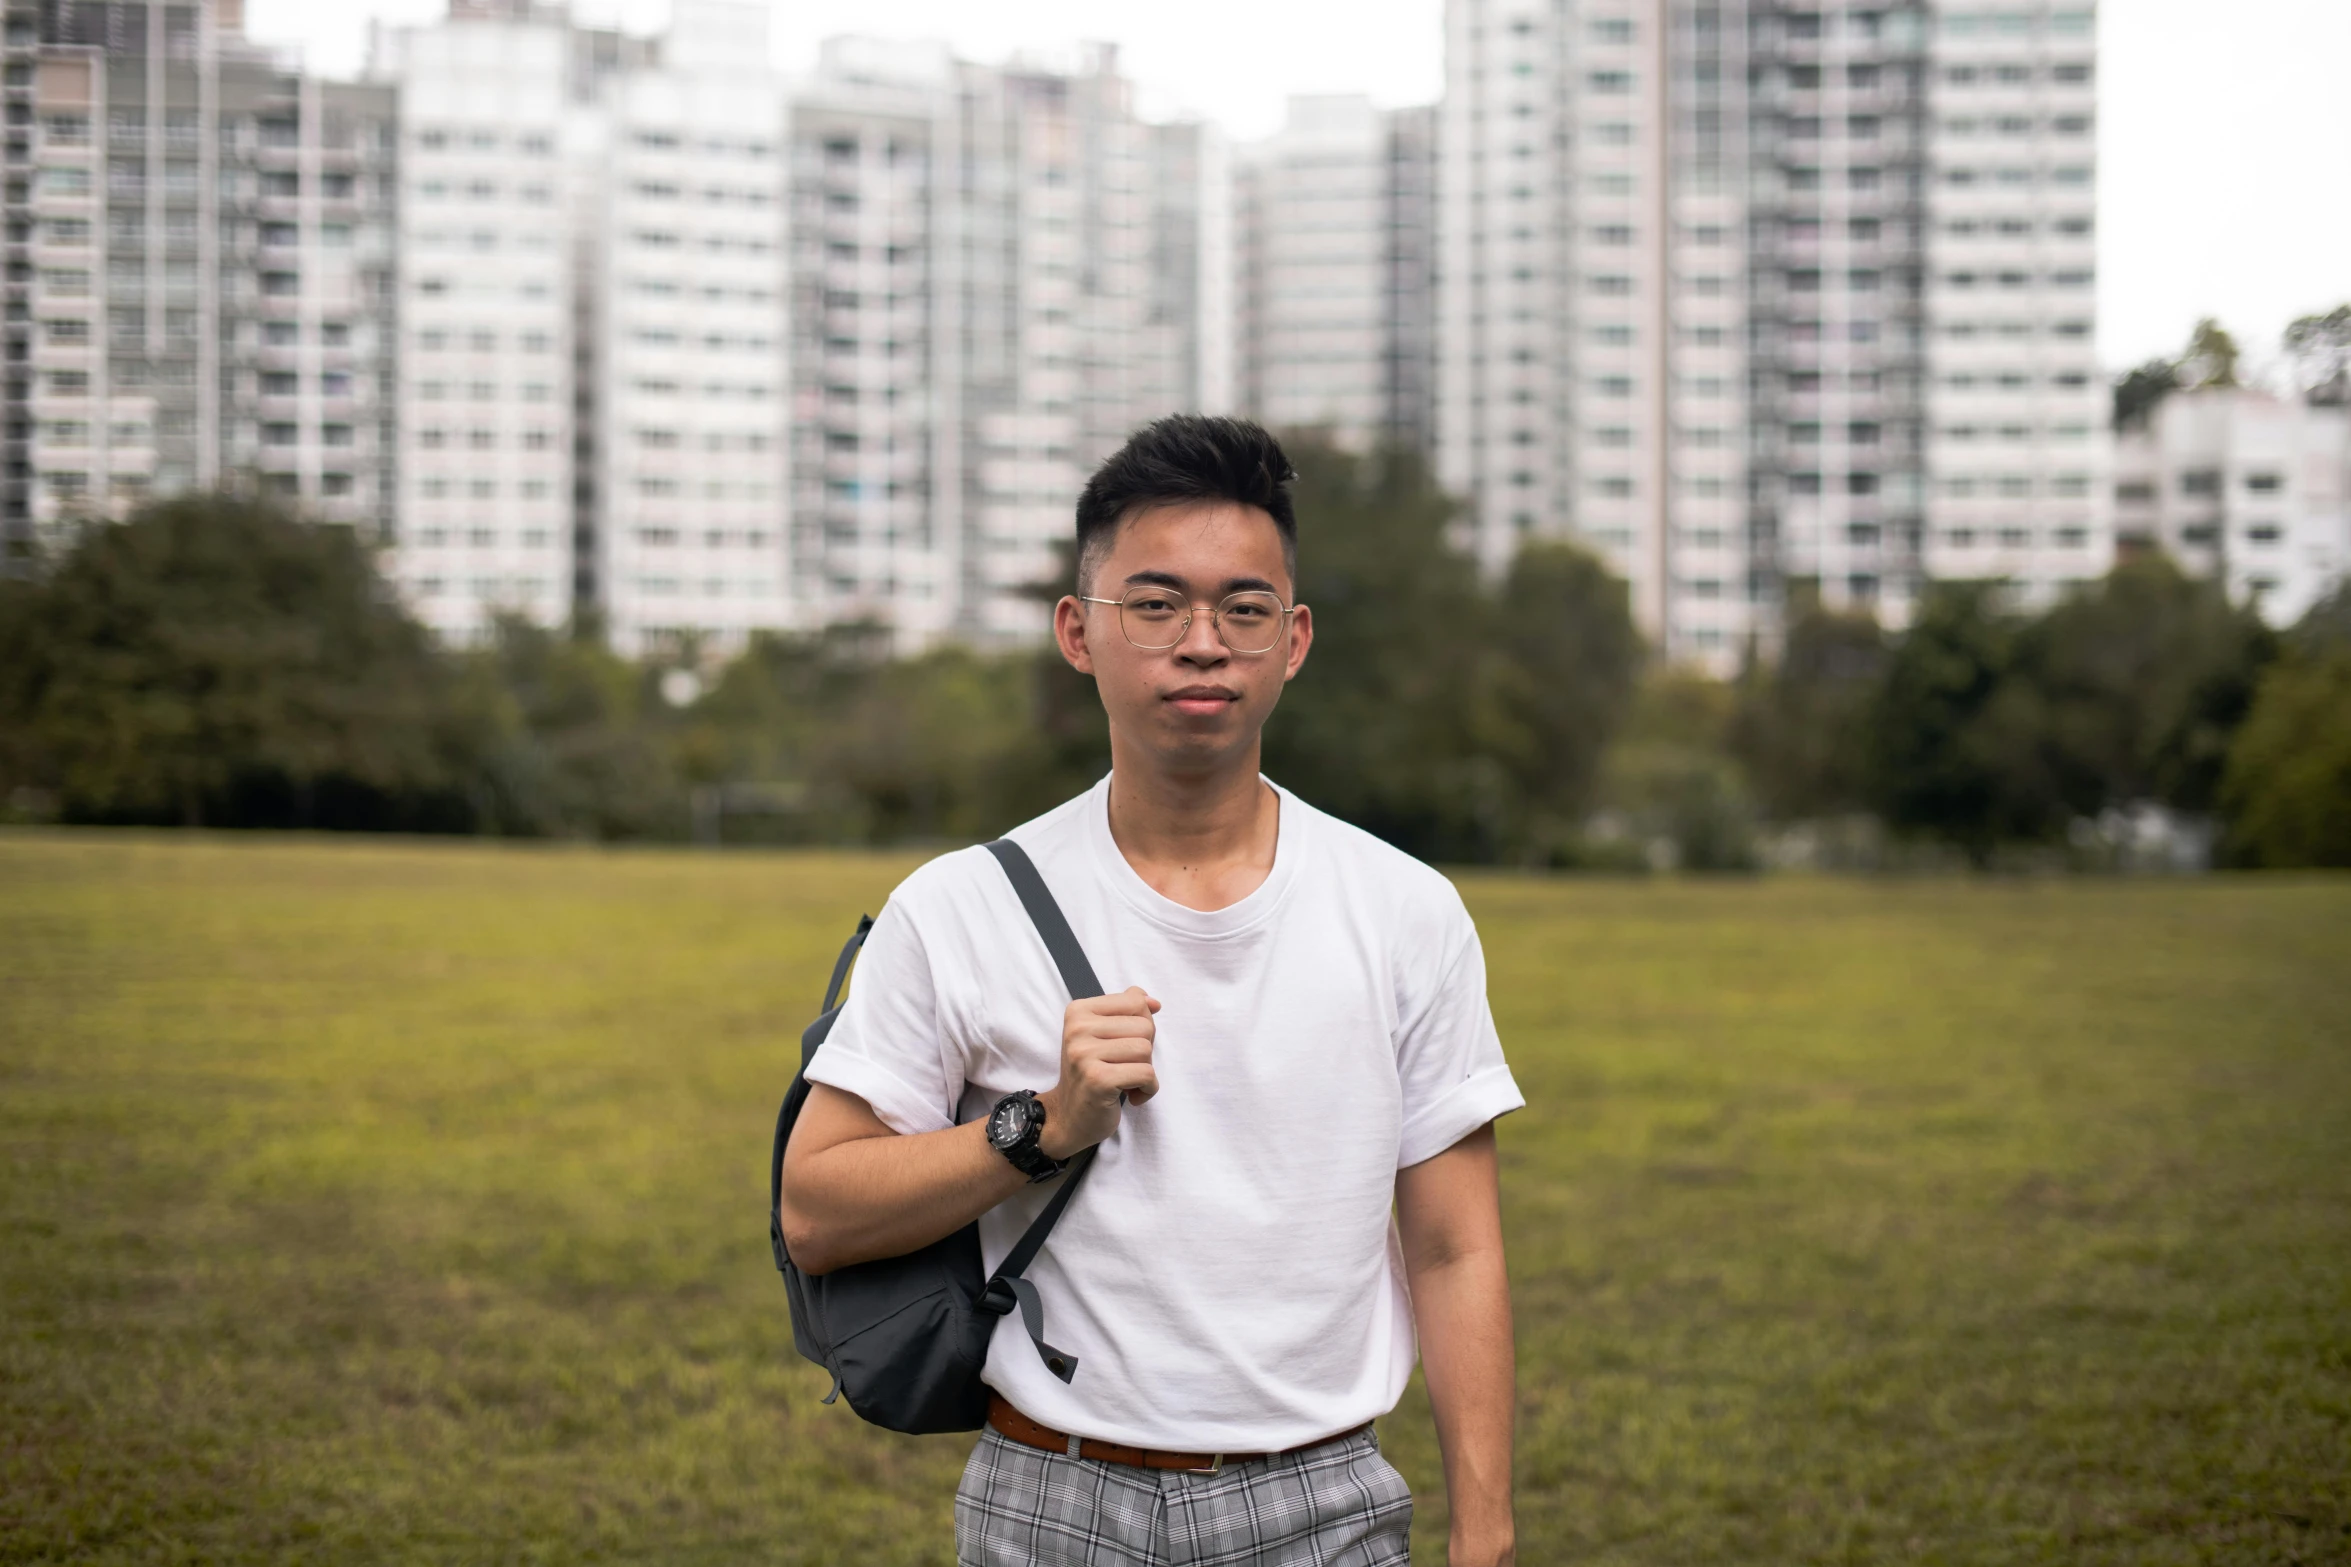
(967, 882)
(1414, 898)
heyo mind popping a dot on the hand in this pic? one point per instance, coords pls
(1105, 1065)
(1466, 1549)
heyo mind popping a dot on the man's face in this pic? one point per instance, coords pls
(1197, 704)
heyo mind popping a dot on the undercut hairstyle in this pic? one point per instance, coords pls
(1178, 460)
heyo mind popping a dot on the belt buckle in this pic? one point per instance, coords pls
(1215, 1466)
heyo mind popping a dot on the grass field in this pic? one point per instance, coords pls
(387, 1202)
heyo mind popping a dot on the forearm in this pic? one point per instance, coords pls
(884, 1196)
(855, 1190)
(1462, 1308)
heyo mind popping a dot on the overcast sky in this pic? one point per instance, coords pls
(2225, 131)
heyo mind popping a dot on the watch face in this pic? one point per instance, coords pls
(1009, 1122)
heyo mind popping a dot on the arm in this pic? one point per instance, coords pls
(1449, 1216)
(854, 1190)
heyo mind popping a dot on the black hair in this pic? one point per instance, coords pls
(1187, 457)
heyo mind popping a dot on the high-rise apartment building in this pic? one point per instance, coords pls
(996, 273)
(1735, 293)
(486, 420)
(198, 273)
(2241, 485)
(593, 408)
(682, 330)
(2017, 475)
(696, 352)
(1592, 320)
(1334, 235)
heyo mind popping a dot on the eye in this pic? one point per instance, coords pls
(1152, 604)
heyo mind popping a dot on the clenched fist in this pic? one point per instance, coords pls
(1105, 1065)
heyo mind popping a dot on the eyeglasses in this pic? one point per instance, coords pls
(1156, 619)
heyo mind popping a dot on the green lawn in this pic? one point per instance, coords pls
(377, 1201)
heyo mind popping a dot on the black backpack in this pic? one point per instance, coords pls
(906, 1337)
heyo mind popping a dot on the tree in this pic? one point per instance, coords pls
(1671, 773)
(216, 661)
(1456, 720)
(1930, 726)
(1798, 725)
(2324, 624)
(2139, 683)
(563, 731)
(1392, 723)
(2210, 363)
(2287, 792)
(2320, 346)
(1571, 658)
(2141, 391)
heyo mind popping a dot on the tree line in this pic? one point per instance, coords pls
(217, 662)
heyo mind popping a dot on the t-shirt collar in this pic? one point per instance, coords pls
(1156, 906)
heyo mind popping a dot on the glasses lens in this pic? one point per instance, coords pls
(1251, 622)
(1154, 617)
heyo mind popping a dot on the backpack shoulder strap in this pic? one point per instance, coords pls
(1006, 1289)
(1046, 915)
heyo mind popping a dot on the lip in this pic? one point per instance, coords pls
(1200, 701)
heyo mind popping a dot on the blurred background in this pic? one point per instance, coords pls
(1832, 518)
(1677, 391)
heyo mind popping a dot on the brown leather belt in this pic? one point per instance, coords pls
(1011, 1423)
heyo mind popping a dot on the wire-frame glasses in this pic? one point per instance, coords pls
(1156, 619)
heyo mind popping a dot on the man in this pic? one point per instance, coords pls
(1301, 1048)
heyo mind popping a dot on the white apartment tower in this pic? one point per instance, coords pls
(2018, 470)
(682, 335)
(1334, 231)
(487, 384)
(1743, 292)
(198, 271)
(593, 411)
(996, 274)
(2245, 486)
(1592, 316)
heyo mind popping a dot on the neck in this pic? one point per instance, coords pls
(1204, 839)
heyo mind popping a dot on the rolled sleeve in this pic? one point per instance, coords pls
(1449, 1059)
(1487, 1095)
(888, 1046)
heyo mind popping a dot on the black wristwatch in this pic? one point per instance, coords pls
(1013, 1129)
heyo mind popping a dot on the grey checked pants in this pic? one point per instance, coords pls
(1337, 1505)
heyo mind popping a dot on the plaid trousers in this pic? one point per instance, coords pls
(1336, 1505)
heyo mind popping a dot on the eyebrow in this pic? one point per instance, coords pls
(1168, 579)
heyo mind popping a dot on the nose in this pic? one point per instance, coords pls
(1202, 646)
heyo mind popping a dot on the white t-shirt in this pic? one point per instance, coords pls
(1229, 1277)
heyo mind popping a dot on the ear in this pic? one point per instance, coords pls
(1301, 638)
(1069, 634)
